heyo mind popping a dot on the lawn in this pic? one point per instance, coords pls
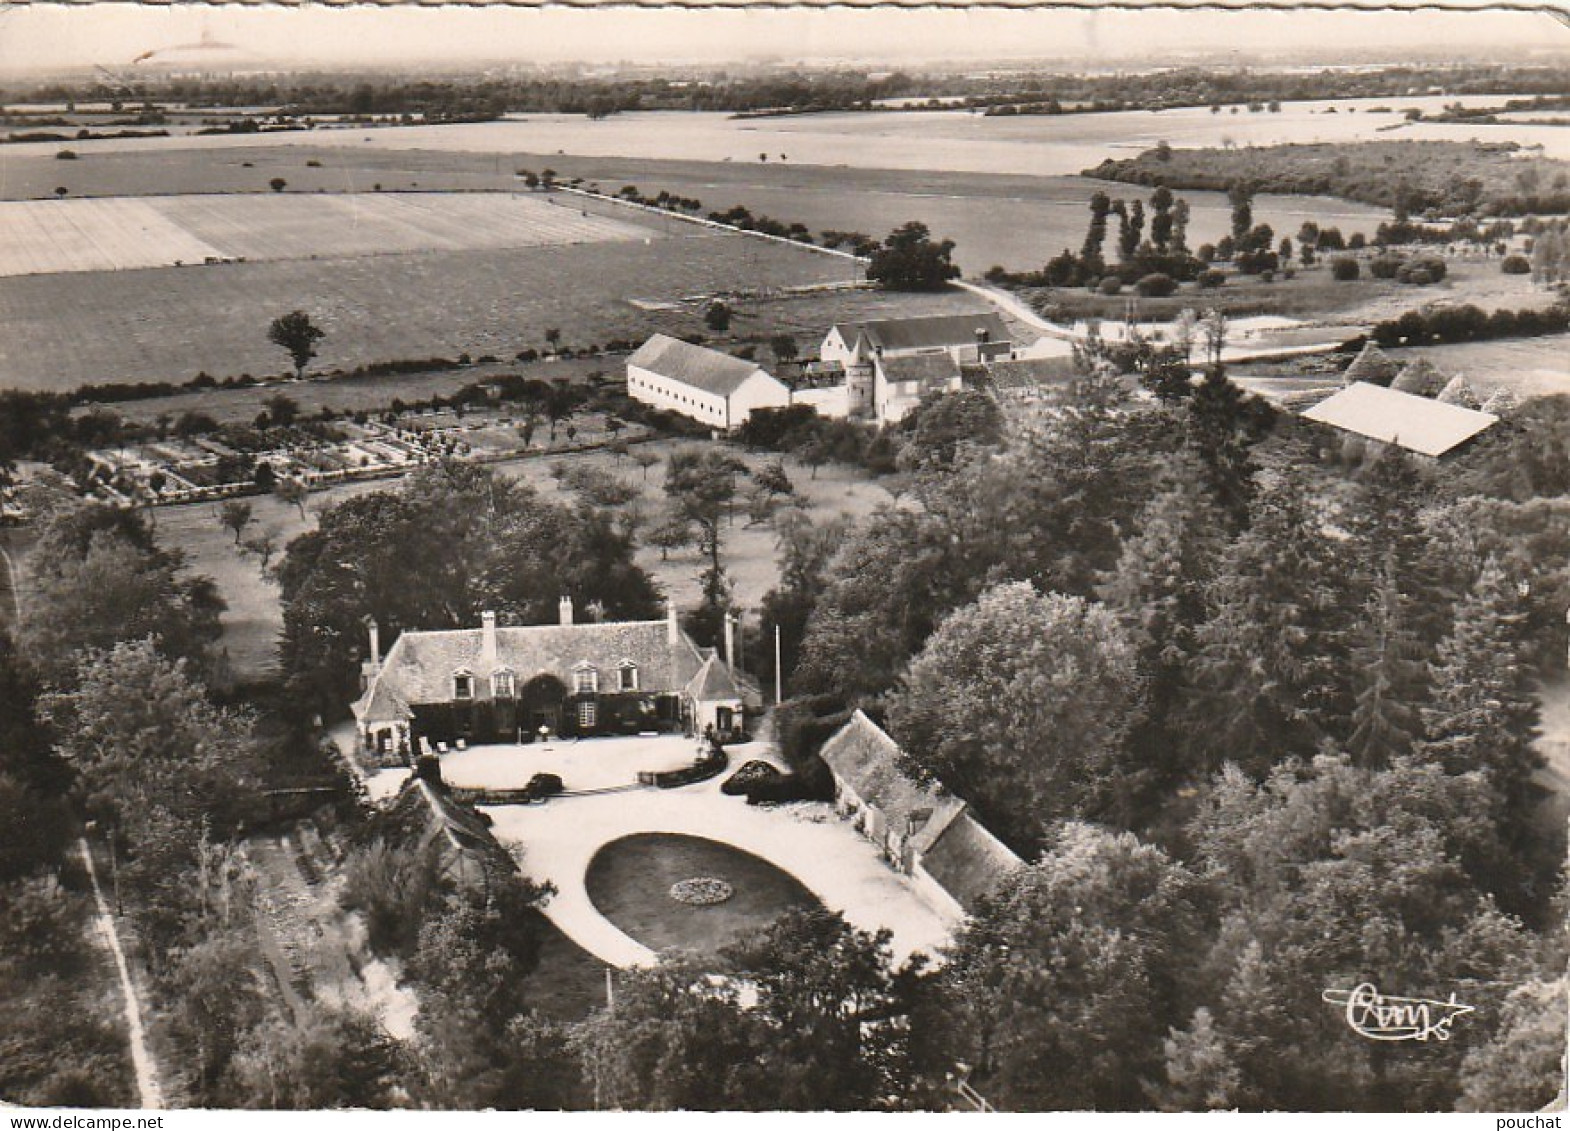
(254, 618)
(569, 982)
(630, 879)
(1526, 366)
(169, 324)
(748, 552)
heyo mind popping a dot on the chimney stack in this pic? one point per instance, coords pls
(730, 639)
(375, 630)
(488, 638)
(672, 625)
(565, 604)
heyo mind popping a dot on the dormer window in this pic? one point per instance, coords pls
(502, 685)
(627, 676)
(462, 685)
(585, 680)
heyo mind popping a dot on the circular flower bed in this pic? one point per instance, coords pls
(701, 891)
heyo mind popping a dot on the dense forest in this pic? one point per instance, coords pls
(1261, 701)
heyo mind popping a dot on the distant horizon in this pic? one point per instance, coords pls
(39, 40)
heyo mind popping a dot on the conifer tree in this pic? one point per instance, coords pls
(1270, 672)
(1483, 714)
(1390, 680)
(1092, 254)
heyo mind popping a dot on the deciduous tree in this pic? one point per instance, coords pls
(297, 334)
(235, 515)
(910, 260)
(1084, 958)
(96, 578)
(1021, 704)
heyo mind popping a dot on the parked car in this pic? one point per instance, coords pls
(541, 786)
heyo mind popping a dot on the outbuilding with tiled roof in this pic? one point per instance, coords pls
(923, 830)
(899, 383)
(711, 387)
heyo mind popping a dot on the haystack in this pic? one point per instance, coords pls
(1373, 365)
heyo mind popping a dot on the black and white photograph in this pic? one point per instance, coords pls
(788, 559)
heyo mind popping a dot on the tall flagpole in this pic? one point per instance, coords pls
(777, 673)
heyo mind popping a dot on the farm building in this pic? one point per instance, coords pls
(924, 831)
(712, 388)
(430, 824)
(1035, 380)
(858, 347)
(899, 383)
(1417, 424)
(502, 684)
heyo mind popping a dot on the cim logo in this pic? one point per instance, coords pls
(1371, 1014)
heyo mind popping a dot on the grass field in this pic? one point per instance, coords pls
(1001, 217)
(169, 324)
(1313, 295)
(1016, 221)
(1526, 366)
(41, 237)
(805, 315)
(254, 618)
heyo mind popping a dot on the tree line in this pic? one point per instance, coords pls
(1439, 178)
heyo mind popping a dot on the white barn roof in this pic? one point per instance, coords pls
(1415, 423)
(705, 369)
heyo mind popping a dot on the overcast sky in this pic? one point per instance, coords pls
(116, 34)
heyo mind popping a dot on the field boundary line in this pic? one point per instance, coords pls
(704, 222)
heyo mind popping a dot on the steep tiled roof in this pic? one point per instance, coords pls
(423, 815)
(381, 703)
(865, 758)
(1033, 373)
(1372, 365)
(968, 861)
(706, 369)
(420, 665)
(927, 368)
(713, 681)
(1418, 424)
(937, 331)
